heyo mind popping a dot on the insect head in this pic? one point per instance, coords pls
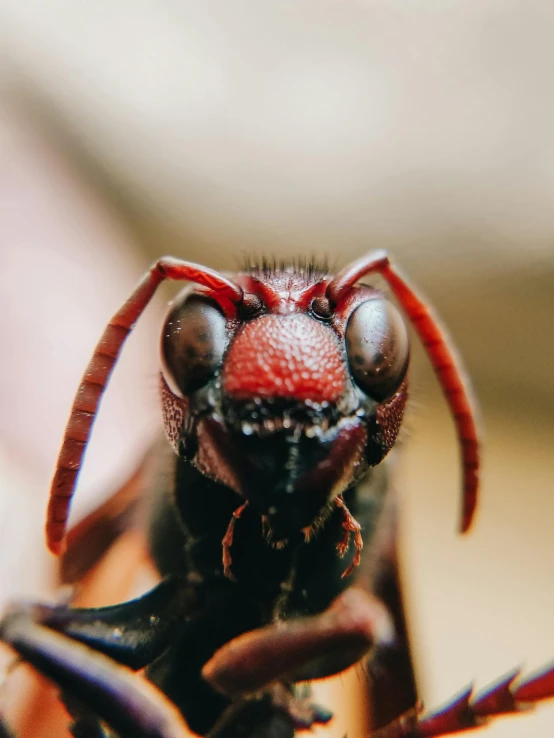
(283, 384)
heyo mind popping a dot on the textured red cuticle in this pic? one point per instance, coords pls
(285, 356)
(174, 411)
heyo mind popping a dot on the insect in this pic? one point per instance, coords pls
(282, 389)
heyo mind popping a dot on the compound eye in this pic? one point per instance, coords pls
(378, 348)
(193, 341)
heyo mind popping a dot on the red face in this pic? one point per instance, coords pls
(286, 399)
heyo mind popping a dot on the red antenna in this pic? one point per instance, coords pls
(97, 374)
(444, 358)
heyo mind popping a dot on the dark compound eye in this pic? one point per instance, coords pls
(378, 348)
(193, 342)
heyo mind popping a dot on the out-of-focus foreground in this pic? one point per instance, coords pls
(209, 130)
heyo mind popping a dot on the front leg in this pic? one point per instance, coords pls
(133, 633)
(269, 658)
(127, 703)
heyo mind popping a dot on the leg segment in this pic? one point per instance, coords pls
(133, 633)
(466, 711)
(227, 542)
(129, 704)
(350, 525)
(300, 649)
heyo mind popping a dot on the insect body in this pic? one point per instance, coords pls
(282, 388)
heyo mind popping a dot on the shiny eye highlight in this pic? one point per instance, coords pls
(378, 348)
(194, 338)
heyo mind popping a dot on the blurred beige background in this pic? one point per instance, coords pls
(206, 130)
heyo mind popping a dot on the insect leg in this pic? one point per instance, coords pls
(466, 711)
(227, 542)
(350, 525)
(305, 648)
(129, 704)
(261, 665)
(133, 633)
